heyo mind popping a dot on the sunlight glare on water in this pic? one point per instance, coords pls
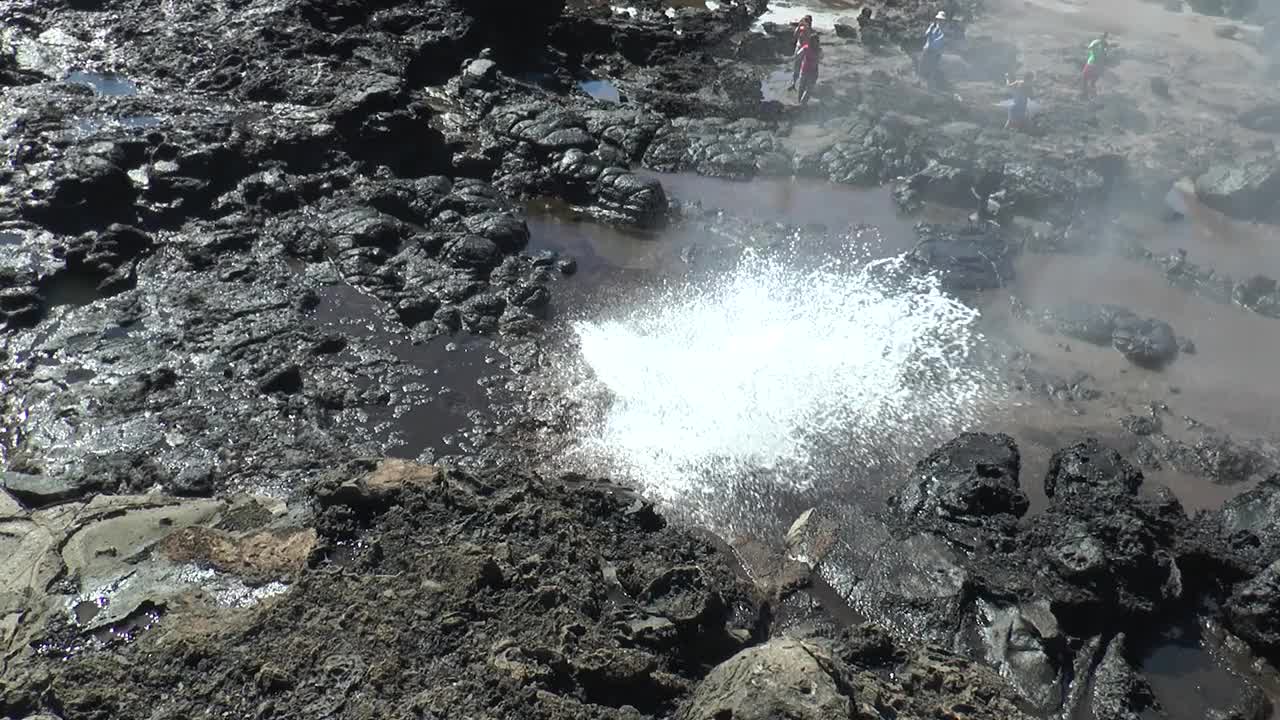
(768, 365)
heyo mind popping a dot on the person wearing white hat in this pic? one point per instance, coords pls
(935, 37)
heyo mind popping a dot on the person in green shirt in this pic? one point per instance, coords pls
(1093, 65)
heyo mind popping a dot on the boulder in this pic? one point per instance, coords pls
(780, 679)
(1145, 342)
(965, 257)
(1105, 555)
(1248, 190)
(1090, 468)
(479, 73)
(632, 198)
(967, 480)
(1258, 293)
(1023, 642)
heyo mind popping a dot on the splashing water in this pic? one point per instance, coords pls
(768, 368)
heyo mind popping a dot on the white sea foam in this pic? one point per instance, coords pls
(770, 366)
(785, 13)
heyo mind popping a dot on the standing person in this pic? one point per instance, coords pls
(1021, 90)
(935, 37)
(810, 56)
(1093, 66)
(804, 29)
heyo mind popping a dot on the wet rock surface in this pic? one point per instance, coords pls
(232, 271)
(1053, 599)
(1146, 342)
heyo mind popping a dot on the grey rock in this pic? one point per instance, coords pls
(780, 679)
(40, 490)
(479, 72)
(1248, 190)
(1025, 644)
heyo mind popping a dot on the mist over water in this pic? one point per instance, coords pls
(775, 375)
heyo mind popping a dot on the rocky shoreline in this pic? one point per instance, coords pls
(239, 241)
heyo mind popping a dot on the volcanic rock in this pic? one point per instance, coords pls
(1248, 190)
(965, 257)
(782, 678)
(1092, 469)
(1253, 611)
(970, 480)
(1119, 692)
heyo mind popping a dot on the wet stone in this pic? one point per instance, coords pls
(783, 678)
(967, 479)
(1091, 468)
(1253, 611)
(474, 252)
(40, 490)
(965, 257)
(1147, 342)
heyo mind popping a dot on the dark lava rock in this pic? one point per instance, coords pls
(509, 233)
(634, 199)
(1091, 323)
(1253, 611)
(1105, 555)
(88, 184)
(965, 257)
(194, 480)
(286, 380)
(718, 147)
(1258, 293)
(1146, 342)
(1249, 190)
(1252, 519)
(969, 480)
(1141, 424)
(1119, 692)
(473, 252)
(1091, 469)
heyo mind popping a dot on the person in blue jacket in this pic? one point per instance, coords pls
(935, 37)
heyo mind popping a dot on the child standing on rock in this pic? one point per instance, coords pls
(1021, 90)
(809, 56)
(804, 29)
(1093, 66)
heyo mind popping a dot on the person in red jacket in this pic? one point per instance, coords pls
(804, 29)
(809, 56)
